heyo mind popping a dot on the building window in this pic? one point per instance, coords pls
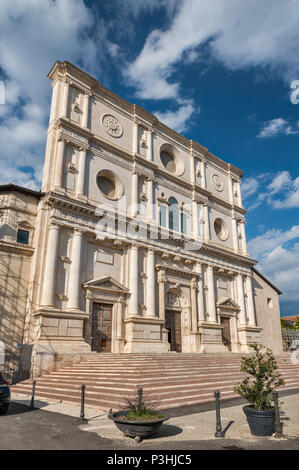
(221, 229)
(269, 302)
(168, 161)
(110, 185)
(183, 223)
(23, 236)
(162, 216)
(173, 215)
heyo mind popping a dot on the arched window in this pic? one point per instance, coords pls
(173, 215)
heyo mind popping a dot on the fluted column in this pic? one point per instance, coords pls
(161, 282)
(211, 295)
(200, 294)
(150, 144)
(135, 137)
(74, 285)
(48, 293)
(65, 100)
(206, 220)
(58, 176)
(193, 305)
(85, 110)
(134, 202)
(241, 300)
(151, 285)
(133, 281)
(251, 312)
(81, 172)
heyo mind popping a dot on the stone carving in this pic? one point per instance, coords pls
(172, 300)
(112, 125)
(217, 182)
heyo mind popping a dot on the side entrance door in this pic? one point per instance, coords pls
(101, 327)
(226, 338)
(173, 325)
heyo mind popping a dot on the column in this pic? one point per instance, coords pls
(74, 285)
(133, 281)
(206, 227)
(211, 295)
(241, 301)
(151, 285)
(251, 313)
(200, 294)
(192, 169)
(58, 176)
(242, 229)
(119, 321)
(235, 234)
(85, 110)
(134, 202)
(203, 173)
(230, 189)
(150, 201)
(193, 305)
(135, 137)
(65, 100)
(150, 144)
(81, 172)
(161, 282)
(239, 193)
(48, 294)
(195, 219)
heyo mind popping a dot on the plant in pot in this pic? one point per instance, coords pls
(138, 418)
(257, 388)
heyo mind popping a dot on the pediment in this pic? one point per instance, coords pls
(107, 283)
(227, 302)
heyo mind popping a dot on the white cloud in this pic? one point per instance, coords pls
(177, 119)
(250, 186)
(276, 127)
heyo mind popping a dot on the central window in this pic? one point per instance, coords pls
(168, 161)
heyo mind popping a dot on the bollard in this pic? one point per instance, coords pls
(140, 392)
(278, 424)
(219, 432)
(32, 396)
(82, 414)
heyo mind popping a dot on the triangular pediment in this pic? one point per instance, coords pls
(106, 282)
(227, 302)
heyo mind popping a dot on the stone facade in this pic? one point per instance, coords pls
(139, 238)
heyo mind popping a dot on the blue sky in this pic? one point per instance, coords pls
(218, 72)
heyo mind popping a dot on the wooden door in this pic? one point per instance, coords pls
(226, 338)
(101, 327)
(173, 325)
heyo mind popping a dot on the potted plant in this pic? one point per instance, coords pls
(139, 417)
(258, 387)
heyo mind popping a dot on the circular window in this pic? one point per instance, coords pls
(221, 229)
(109, 184)
(168, 161)
(172, 159)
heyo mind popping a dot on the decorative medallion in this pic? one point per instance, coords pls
(112, 126)
(217, 182)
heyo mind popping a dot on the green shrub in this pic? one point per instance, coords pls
(257, 388)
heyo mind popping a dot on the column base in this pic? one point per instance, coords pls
(211, 338)
(145, 335)
(248, 334)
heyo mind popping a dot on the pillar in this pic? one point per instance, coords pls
(195, 219)
(206, 222)
(74, 285)
(235, 234)
(211, 295)
(241, 301)
(58, 176)
(193, 305)
(203, 174)
(150, 145)
(85, 110)
(151, 285)
(200, 294)
(133, 281)
(150, 201)
(161, 282)
(230, 189)
(192, 169)
(251, 313)
(134, 202)
(81, 172)
(65, 100)
(242, 230)
(119, 319)
(135, 137)
(48, 294)
(239, 193)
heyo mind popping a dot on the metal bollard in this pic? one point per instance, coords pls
(33, 394)
(140, 392)
(82, 414)
(219, 432)
(278, 426)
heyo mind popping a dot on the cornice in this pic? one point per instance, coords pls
(17, 248)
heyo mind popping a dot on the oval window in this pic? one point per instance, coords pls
(110, 185)
(168, 161)
(221, 229)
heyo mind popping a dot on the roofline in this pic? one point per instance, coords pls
(20, 189)
(267, 281)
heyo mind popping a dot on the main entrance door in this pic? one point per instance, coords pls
(226, 338)
(173, 325)
(101, 327)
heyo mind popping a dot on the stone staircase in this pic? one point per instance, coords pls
(170, 379)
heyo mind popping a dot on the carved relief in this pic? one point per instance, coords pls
(217, 182)
(172, 300)
(112, 125)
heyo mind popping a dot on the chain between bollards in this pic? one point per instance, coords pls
(219, 432)
(82, 411)
(33, 394)
(278, 426)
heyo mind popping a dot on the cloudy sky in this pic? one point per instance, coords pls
(220, 72)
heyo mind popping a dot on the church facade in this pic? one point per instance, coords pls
(135, 244)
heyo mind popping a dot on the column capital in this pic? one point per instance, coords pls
(79, 231)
